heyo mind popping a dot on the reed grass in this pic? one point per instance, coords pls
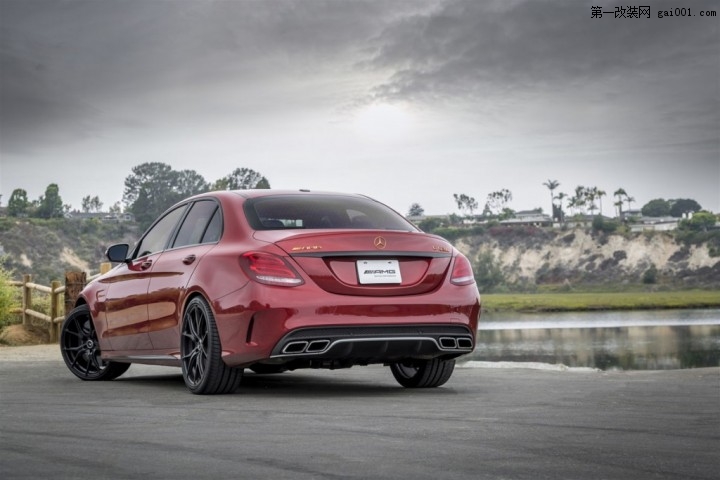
(560, 302)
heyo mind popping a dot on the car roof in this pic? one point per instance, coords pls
(268, 192)
(258, 193)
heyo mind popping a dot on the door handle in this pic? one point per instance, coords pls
(189, 259)
(146, 264)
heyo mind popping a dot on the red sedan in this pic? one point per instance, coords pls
(273, 281)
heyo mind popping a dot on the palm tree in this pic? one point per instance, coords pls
(600, 194)
(580, 197)
(591, 195)
(552, 185)
(561, 213)
(629, 201)
(620, 193)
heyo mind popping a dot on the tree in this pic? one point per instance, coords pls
(600, 194)
(591, 193)
(416, 210)
(242, 179)
(91, 204)
(558, 211)
(683, 206)
(620, 194)
(465, 202)
(629, 200)
(578, 201)
(115, 208)
(430, 224)
(497, 201)
(50, 205)
(552, 185)
(701, 221)
(18, 205)
(150, 190)
(189, 183)
(658, 207)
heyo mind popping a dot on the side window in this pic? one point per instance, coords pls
(214, 229)
(157, 238)
(196, 223)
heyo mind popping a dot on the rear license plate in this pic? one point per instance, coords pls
(378, 271)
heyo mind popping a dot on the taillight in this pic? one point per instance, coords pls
(270, 269)
(462, 273)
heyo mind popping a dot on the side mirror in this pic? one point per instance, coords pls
(117, 253)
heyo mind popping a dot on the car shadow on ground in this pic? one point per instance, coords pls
(295, 384)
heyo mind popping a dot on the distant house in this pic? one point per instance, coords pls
(76, 215)
(530, 218)
(102, 216)
(119, 217)
(655, 224)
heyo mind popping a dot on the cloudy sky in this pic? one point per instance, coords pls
(406, 101)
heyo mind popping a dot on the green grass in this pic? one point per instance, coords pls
(561, 302)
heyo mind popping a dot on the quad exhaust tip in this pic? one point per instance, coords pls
(300, 347)
(314, 346)
(456, 343)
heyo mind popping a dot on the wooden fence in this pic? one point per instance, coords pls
(74, 283)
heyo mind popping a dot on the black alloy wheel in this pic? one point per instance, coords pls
(81, 350)
(423, 373)
(203, 369)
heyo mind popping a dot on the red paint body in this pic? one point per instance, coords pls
(138, 307)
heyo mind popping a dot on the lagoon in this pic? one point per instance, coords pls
(625, 340)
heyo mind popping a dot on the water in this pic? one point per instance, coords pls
(634, 340)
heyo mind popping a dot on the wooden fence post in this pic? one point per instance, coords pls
(54, 312)
(74, 283)
(27, 299)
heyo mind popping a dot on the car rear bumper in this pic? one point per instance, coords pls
(352, 331)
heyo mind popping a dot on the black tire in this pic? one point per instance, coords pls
(203, 369)
(81, 351)
(422, 373)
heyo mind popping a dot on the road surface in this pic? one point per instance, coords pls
(510, 423)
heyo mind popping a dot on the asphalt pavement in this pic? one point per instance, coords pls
(498, 423)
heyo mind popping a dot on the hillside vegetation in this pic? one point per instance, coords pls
(48, 248)
(527, 259)
(505, 259)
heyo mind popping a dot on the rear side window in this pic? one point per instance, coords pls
(194, 229)
(323, 212)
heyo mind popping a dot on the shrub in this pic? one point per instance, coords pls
(599, 224)
(9, 298)
(488, 273)
(650, 275)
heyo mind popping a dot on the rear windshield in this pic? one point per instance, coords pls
(323, 212)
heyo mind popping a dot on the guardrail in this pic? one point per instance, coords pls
(74, 283)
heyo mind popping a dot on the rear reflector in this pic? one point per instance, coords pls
(462, 273)
(270, 269)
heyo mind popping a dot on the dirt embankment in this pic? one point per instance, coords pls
(537, 256)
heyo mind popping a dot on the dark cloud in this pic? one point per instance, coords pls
(74, 68)
(506, 85)
(465, 47)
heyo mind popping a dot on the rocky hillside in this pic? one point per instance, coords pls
(48, 248)
(504, 258)
(524, 258)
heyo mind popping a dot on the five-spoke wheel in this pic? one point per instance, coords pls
(423, 373)
(81, 351)
(203, 369)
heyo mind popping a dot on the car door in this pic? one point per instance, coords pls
(126, 301)
(198, 233)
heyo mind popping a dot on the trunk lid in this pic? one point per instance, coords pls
(367, 262)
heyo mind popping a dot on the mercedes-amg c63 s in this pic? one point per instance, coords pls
(274, 281)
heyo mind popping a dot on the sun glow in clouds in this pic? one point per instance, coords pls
(383, 121)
